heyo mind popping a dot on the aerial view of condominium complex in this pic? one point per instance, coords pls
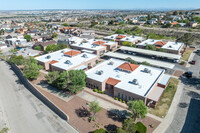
(100, 66)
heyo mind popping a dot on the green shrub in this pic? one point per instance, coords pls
(100, 91)
(115, 98)
(120, 100)
(182, 62)
(95, 90)
(101, 130)
(124, 101)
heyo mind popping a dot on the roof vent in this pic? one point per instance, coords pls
(84, 56)
(146, 70)
(99, 72)
(135, 82)
(127, 38)
(68, 62)
(111, 63)
(170, 46)
(48, 57)
(62, 51)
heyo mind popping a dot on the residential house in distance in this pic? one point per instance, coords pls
(44, 44)
(128, 81)
(98, 47)
(171, 47)
(122, 38)
(67, 59)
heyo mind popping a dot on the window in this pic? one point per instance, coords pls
(133, 98)
(129, 98)
(122, 96)
(125, 97)
(119, 95)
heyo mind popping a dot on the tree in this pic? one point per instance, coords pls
(138, 109)
(39, 48)
(125, 43)
(94, 108)
(128, 126)
(120, 31)
(150, 47)
(62, 81)
(18, 60)
(28, 38)
(51, 48)
(131, 61)
(77, 80)
(146, 63)
(101, 130)
(52, 77)
(187, 39)
(31, 69)
(65, 24)
(54, 35)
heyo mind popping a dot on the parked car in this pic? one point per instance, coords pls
(198, 50)
(175, 60)
(188, 74)
(193, 62)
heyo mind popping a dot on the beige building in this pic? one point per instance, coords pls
(128, 81)
(67, 59)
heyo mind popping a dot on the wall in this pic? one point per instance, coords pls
(39, 95)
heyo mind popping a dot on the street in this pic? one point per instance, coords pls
(187, 117)
(24, 112)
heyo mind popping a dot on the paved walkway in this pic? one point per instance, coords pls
(109, 105)
(172, 110)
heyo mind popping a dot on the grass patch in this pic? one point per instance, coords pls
(166, 99)
(4, 130)
(186, 54)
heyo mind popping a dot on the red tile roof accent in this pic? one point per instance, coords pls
(120, 37)
(53, 62)
(66, 28)
(72, 53)
(112, 81)
(128, 66)
(99, 42)
(174, 23)
(160, 43)
(117, 40)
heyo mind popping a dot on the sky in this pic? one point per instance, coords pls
(98, 4)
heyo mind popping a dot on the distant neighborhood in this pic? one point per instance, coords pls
(108, 69)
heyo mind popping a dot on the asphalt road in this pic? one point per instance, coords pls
(187, 117)
(24, 112)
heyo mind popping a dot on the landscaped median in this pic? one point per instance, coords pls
(166, 99)
(186, 54)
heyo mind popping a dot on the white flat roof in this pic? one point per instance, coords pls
(131, 38)
(145, 80)
(89, 46)
(151, 52)
(173, 46)
(61, 58)
(148, 41)
(169, 45)
(112, 37)
(140, 60)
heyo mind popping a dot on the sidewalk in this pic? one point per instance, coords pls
(190, 59)
(108, 102)
(172, 110)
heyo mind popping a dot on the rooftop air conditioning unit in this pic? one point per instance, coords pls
(99, 72)
(135, 82)
(170, 46)
(84, 56)
(48, 57)
(146, 70)
(111, 63)
(127, 38)
(68, 62)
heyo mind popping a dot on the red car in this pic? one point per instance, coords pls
(193, 62)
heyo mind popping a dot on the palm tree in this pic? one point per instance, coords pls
(94, 108)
